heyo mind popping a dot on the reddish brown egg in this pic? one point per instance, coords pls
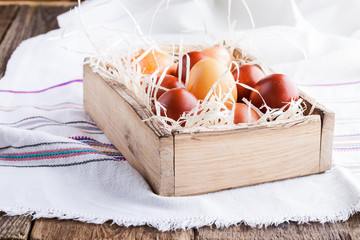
(176, 102)
(194, 57)
(241, 114)
(276, 89)
(248, 75)
(169, 82)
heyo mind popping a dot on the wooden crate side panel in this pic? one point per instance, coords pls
(206, 162)
(327, 131)
(134, 139)
(167, 175)
(140, 109)
(327, 138)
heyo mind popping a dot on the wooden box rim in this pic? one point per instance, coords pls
(162, 131)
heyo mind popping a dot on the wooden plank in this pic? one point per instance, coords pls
(40, 2)
(142, 112)
(210, 161)
(37, 19)
(7, 14)
(112, 108)
(14, 227)
(69, 229)
(313, 231)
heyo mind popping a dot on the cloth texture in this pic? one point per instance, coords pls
(55, 161)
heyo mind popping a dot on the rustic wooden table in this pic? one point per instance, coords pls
(22, 20)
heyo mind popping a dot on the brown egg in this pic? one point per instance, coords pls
(169, 82)
(241, 114)
(176, 102)
(248, 75)
(276, 89)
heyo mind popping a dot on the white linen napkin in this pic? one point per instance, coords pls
(55, 162)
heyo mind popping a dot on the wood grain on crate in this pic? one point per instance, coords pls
(233, 158)
(327, 131)
(120, 117)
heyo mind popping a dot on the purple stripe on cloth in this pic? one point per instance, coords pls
(43, 90)
(347, 135)
(328, 84)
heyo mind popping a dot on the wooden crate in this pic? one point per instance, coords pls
(181, 163)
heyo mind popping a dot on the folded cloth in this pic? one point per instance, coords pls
(55, 162)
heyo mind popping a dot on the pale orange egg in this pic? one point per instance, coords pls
(219, 53)
(205, 73)
(155, 60)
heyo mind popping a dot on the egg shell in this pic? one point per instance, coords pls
(241, 114)
(219, 53)
(177, 101)
(194, 57)
(277, 91)
(169, 82)
(248, 75)
(155, 60)
(205, 74)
